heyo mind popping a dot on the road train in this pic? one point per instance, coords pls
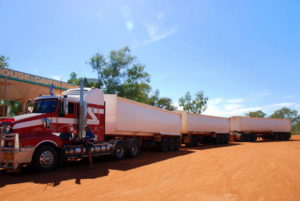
(53, 132)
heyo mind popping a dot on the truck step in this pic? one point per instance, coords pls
(7, 138)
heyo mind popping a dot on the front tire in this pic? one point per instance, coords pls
(45, 158)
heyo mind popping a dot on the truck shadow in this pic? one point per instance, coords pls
(210, 146)
(268, 141)
(79, 170)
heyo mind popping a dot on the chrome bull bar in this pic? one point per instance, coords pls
(12, 156)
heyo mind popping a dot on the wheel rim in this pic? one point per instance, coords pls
(46, 159)
(119, 151)
(134, 148)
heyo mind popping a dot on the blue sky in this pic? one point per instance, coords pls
(245, 55)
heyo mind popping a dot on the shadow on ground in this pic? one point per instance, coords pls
(79, 170)
(210, 146)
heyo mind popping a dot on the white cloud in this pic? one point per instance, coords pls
(238, 100)
(56, 77)
(155, 34)
(126, 12)
(129, 25)
(232, 106)
(287, 104)
(215, 101)
(160, 16)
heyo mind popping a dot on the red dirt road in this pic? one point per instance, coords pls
(239, 171)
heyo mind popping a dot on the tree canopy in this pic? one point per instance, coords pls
(161, 102)
(195, 105)
(4, 61)
(121, 74)
(257, 113)
(287, 113)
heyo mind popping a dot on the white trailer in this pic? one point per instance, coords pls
(196, 128)
(151, 125)
(249, 128)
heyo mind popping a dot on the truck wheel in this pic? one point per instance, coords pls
(164, 145)
(172, 144)
(133, 148)
(242, 138)
(226, 139)
(119, 150)
(45, 158)
(287, 136)
(254, 137)
(276, 136)
(177, 143)
(218, 139)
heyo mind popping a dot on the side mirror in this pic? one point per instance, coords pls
(66, 107)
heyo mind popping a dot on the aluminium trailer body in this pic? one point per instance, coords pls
(196, 128)
(150, 125)
(250, 128)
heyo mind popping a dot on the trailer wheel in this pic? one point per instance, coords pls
(133, 148)
(281, 136)
(177, 143)
(218, 139)
(193, 142)
(287, 136)
(226, 139)
(254, 137)
(172, 144)
(276, 136)
(45, 158)
(164, 145)
(119, 150)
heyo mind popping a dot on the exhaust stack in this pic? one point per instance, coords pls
(82, 115)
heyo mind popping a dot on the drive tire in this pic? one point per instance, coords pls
(45, 158)
(119, 150)
(133, 148)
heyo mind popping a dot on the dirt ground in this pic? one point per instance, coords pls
(238, 171)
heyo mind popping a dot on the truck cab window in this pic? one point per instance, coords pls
(71, 108)
(61, 109)
(45, 106)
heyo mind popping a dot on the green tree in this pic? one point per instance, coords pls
(164, 102)
(13, 107)
(257, 113)
(287, 113)
(73, 79)
(98, 64)
(4, 61)
(121, 74)
(195, 105)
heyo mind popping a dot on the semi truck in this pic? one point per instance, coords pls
(53, 132)
(251, 128)
(196, 128)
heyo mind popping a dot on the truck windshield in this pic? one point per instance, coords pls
(44, 106)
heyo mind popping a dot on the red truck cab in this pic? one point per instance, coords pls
(51, 132)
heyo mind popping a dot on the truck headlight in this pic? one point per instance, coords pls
(8, 129)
